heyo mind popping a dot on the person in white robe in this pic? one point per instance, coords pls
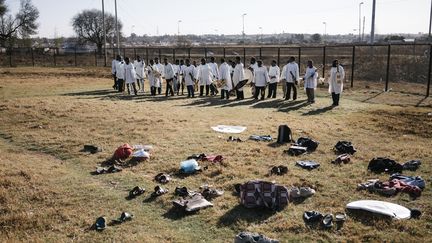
(120, 74)
(170, 75)
(130, 76)
(337, 76)
(238, 75)
(290, 75)
(181, 77)
(260, 80)
(252, 66)
(215, 71)
(189, 73)
(274, 74)
(224, 73)
(113, 70)
(176, 84)
(152, 74)
(140, 73)
(310, 81)
(161, 70)
(205, 77)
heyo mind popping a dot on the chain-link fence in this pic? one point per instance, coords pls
(401, 67)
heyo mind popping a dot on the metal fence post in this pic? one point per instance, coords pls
(174, 55)
(147, 56)
(429, 73)
(105, 57)
(10, 57)
(260, 52)
(32, 55)
(244, 55)
(388, 68)
(324, 61)
(189, 52)
(160, 55)
(54, 56)
(299, 59)
(75, 56)
(352, 66)
(124, 52)
(205, 52)
(278, 56)
(135, 56)
(95, 58)
(224, 53)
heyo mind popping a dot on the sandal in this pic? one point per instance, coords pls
(100, 224)
(158, 191)
(136, 191)
(327, 221)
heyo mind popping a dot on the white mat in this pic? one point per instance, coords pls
(229, 129)
(385, 208)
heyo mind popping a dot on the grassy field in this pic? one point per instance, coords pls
(48, 194)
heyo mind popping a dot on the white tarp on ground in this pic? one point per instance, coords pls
(229, 129)
(385, 208)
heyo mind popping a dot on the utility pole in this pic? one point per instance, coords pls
(243, 15)
(364, 20)
(430, 23)
(325, 31)
(104, 32)
(359, 28)
(117, 30)
(372, 37)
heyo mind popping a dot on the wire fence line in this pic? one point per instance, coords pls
(385, 64)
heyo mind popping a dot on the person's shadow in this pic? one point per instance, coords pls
(318, 111)
(239, 212)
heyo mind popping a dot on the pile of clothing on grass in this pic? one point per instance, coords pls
(387, 165)
(413, 185)
(192, 201)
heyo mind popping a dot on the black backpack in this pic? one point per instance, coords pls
(380, 165)
(284, 134)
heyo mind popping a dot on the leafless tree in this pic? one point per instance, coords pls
(23, 24)
(88, 26)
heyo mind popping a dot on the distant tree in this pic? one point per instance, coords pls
(394, 38)
(88, 26)
(22, 25)
(316, 38)
(299, 37)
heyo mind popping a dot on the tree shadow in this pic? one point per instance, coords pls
(239, 212)
(319, 111)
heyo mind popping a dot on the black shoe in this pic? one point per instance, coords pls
(327, 221)
(312, 216)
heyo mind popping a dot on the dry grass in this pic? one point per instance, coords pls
(48, 193)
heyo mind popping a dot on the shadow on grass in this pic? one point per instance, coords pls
(373, 96)
(176, 214)
(293, 106)
(368, 218)
(240, 213)
(318, 111)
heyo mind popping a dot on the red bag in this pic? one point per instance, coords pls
(123, 152)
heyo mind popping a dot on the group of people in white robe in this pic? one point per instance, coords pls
(229, 76)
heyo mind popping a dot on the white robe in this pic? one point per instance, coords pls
(169, 71)
(310, 78)
(261, 77)
(205, 75)
(189, 74)
(130, 76)
(290, 70)
(238, 75)
(120, 70)
(214, 69)
(139, 69)
(157, 73)
(275, 73)
(160, 69)
(113, 66)
(225, 75)
(337, 76)
(151, 77)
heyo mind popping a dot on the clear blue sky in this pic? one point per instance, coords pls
(224, 16)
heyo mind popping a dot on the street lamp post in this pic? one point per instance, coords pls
(104, 32)
(359, 28)
(178, 27)
(325, 31)
(261, 34)
(117, 30)
(243, 34)
(372, 37)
